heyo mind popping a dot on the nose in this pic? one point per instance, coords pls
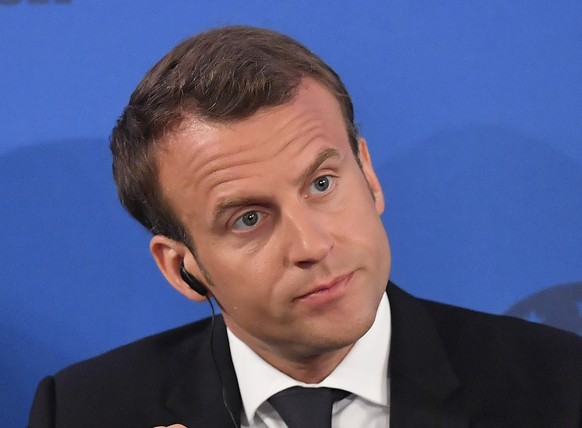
(308, 236)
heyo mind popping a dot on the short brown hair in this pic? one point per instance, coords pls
(221, 75)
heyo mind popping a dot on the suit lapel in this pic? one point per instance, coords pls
(197, 394)
(421, 376)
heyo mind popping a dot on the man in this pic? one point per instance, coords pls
(239, 152)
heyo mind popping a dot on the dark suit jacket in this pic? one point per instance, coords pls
(449, 367)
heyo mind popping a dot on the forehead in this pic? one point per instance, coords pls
(204, 161)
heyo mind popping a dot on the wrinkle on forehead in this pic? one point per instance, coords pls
(306, 117)
(245, 144)
(177, 162)
(204, 156)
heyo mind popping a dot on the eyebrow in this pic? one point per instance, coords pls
(230, 203)
(320, 159)
(237, 202)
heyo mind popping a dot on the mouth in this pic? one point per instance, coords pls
(328, 291)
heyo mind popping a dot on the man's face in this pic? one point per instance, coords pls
(287, 232)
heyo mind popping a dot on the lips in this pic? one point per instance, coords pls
(328, 290)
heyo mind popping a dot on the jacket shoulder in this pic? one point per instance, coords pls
(527, 364)
(507, 371)
(147, 353)
(122, 387)
(502, 331)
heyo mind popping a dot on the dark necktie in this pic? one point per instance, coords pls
(301, 407)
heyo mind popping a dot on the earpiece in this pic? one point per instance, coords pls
(192, 282)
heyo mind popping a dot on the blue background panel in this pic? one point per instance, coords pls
(472, 112)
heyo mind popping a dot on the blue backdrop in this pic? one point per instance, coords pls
(472, 111)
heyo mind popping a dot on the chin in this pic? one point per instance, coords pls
(347, 333)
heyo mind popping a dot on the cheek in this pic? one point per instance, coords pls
(238, 276)
(362, 231)
(361, 211)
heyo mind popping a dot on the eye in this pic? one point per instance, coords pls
(248, 220)
(321, 184)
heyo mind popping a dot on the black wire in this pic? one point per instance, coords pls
(224, 400)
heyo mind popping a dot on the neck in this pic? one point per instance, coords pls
(304, 365)
(311, 369)
(303, 362)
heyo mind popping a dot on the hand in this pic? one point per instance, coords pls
(171, 426)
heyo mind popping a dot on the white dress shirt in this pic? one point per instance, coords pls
(363, 373)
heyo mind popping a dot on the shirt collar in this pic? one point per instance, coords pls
(363, 372)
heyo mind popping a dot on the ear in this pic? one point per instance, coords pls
(370, 174)
(169, 254)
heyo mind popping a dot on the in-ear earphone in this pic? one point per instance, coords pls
(192, 282)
